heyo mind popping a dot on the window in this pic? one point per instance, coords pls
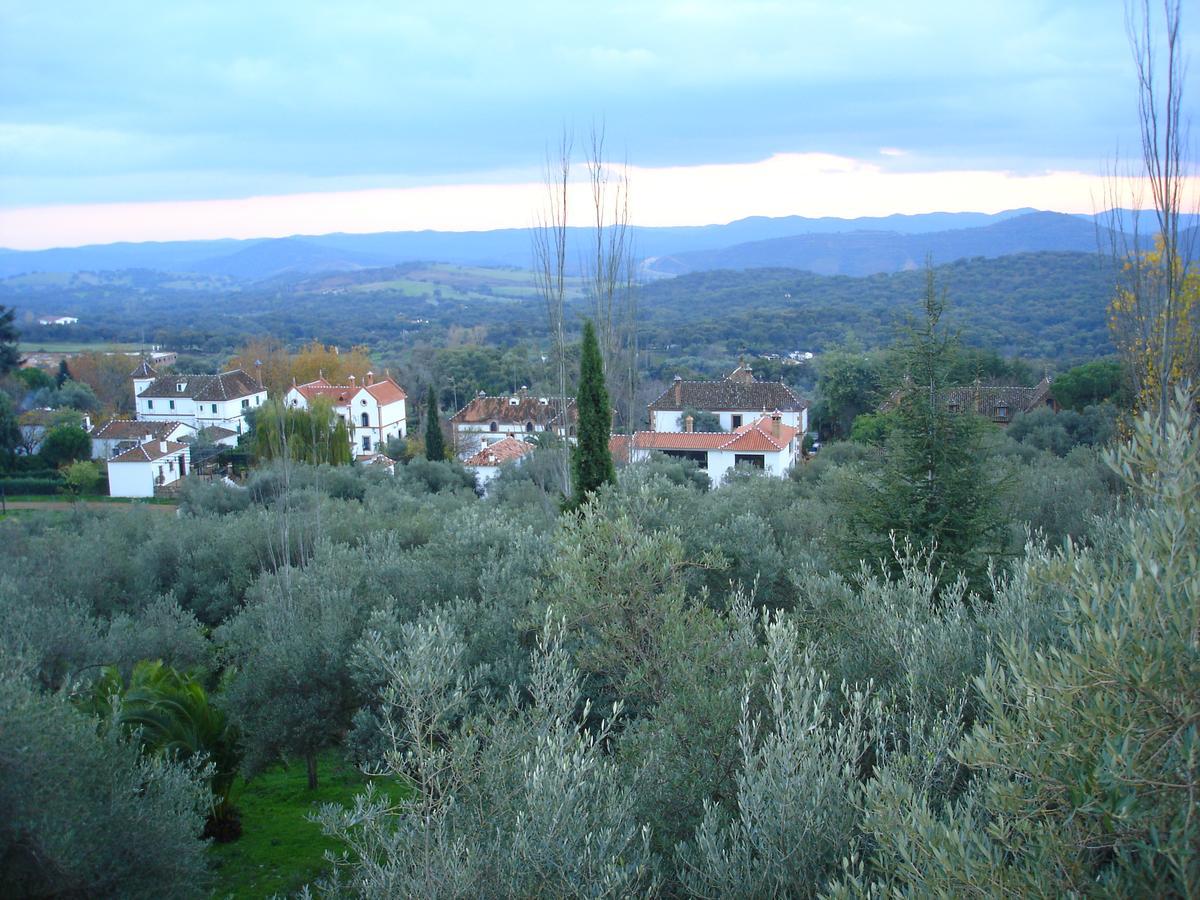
(366, 420)
(529, 427)
(1001, 411)
(493, 427)
(366, 442)
(214, 406)
(735, 421)
(245, 404)
(700, 457)
(755, 460)
(171, 404)
(149, 404)
(180, 386)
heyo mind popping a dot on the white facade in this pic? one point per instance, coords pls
(115, 437)
(201, 401)
(766, 443)
(669, 419)
(137, 472)
(374, 412)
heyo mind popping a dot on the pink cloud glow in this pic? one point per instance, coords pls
(785, 184)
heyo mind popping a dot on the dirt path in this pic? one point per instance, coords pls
(67, 504)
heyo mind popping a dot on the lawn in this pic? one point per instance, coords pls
(280, 850)
(50, 346)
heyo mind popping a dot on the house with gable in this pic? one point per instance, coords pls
(766, 442)
(201, 401)
(115, 436)
(487, 420)
(374, 411)
(147, 468)
(999, 403)
(736, 400)
(487, 461)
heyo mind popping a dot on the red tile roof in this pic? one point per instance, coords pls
(618, 446)
(505, 410)
(502, 451)
(386, 391)
(132, 429)
(754, 437)
(148, 452)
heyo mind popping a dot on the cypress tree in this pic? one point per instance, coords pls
(591, 461)
(435, 444)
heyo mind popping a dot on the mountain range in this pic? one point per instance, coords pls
(859, 246)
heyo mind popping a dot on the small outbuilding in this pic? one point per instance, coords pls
(141, 470)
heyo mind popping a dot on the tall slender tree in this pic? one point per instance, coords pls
(10, 358)
(435, 443)
(591, 461)
(935, 489)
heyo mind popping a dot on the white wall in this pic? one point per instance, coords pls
(668, 419)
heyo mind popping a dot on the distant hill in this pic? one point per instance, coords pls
(870, 252)
(503, 247)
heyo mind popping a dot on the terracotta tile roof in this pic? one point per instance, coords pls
(231, 385)
(386, 391)
(504, 450)
(144, 370)
(984, 399)
(131, 430)
(216, 433)
(148, 452)
(733, 393)
(503, 410)
(754, 437)
(618, 446)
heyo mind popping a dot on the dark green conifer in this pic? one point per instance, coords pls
(435, 444)
(591, 460)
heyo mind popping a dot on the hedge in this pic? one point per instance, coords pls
(15, 486)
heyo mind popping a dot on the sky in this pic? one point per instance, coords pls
(161, 121)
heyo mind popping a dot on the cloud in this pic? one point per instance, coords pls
(784, 184)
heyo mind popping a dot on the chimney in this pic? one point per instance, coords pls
(688, 422)
(162, 446)
(370, 378)
(351, 381)
(776, 423)
(678, 391)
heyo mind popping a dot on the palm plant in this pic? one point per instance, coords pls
(172, 716)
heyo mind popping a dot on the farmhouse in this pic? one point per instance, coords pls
(766, 443)
(141, 470)
(487, 461)
(1000, 403)
(58, 320)
(487, 420)
(200, 401)
(735, 400)
(115, 436)
(373, 411)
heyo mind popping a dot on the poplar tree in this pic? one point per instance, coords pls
(435, 444)
(591, 461)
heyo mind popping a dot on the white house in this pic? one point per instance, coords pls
(58, 320)
(201, 401)
(141, 469)
(115, 436)
(735, 401)
(373, 411)
(766, 443)
(487, 461)
(488, 420)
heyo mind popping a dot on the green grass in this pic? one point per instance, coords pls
(73, 347)
(280, 850)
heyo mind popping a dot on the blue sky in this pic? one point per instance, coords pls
(160, 102)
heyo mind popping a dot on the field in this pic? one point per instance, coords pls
(76, 347)
(280, 850)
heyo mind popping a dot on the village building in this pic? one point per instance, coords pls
(767, 442)
(114, 437)
(374, 411)
(487, 420)
(487, 461)
(33, 424)
(736, 400)
(58, 320)
(1000, 403)
(147, 469)
(201, 401)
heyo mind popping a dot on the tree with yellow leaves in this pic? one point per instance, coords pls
(279, 367)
